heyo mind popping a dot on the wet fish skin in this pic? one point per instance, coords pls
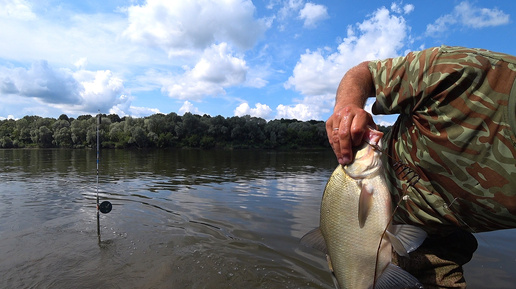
(355, 211)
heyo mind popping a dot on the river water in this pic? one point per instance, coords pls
(180, 219)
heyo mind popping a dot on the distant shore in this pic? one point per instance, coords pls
(163, 131)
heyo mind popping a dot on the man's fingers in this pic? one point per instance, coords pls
(345, 129)
(345, 146)
(332, 130)
(359, 127)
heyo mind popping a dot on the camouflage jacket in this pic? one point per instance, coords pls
(452, 151)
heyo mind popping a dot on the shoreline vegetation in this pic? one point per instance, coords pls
(164, 131)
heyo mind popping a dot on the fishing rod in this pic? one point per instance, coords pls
(104, 207)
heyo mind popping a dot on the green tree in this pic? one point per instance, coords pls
(275, 133)
(138, 137)
(62, 133)
(42, 136)
(118, 136)
(79, 130)
(22, 132)
(64, 117)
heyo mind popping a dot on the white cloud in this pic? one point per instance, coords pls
(406, 9)
(440, 25)
(289, 7)
(377, 37)
(465, 14)
(136, 111)
(217, 69)
(17, 9)
(218, 65)
(188, 107)
(41, 81)
(315, 74)
(475, 17)
(318, 73)
(308, 108)
(81, 91)
(179, 26)
(299, 111)
(8, 117)
(102, 90)
(313, 13)
(81, 63)
(260, 110)
(69, 38)
(257, 75)
(309, 13)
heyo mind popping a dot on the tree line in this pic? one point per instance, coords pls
(162, 131)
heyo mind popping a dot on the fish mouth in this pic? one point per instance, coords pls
(367, 162)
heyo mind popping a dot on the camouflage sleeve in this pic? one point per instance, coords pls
(401, 83)
(456, 131)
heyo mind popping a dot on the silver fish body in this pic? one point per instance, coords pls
(355, 213)
(353, 249)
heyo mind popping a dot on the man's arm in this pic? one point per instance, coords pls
(349, 121)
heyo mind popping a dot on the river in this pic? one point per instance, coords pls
(180, 219)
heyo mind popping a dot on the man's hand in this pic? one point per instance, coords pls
(346, 128)
(349, 122)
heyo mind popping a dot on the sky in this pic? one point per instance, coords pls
(265, 58)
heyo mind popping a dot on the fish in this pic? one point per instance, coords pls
(356, 230)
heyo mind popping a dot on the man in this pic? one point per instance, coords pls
(450, 158)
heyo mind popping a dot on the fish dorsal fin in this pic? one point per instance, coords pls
(315, 239)
(395, 277)
(406, 238)
(364, 203)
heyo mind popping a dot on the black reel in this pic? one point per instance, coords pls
(105, 207)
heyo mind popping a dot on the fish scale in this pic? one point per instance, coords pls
(355, 228)
(353, 248)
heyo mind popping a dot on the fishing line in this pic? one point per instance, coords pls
(104, 207)
(404, 198)
(404, 171)
(412, 180)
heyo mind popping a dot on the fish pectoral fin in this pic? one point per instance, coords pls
(364, 203)
(315, 239)
(406, 238)
(395, 277)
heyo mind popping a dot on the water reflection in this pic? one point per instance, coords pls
(180, 219)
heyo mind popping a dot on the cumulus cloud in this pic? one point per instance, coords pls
(313, 13)
(42, 82)
(308, 12)
(289, 7)
(467, 15)
(8, 117)
(136, 111)
(299, 111)
(405, 9)
(81, 91)
(17, 9)
(188, 107)
(318, 73)
(101, 90)
(179, 26)
(260, 110)
(217, 68)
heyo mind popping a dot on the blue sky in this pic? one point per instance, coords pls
(266, 58)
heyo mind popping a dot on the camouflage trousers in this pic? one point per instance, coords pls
(438, 262)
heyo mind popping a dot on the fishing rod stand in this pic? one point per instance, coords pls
(104, 207)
